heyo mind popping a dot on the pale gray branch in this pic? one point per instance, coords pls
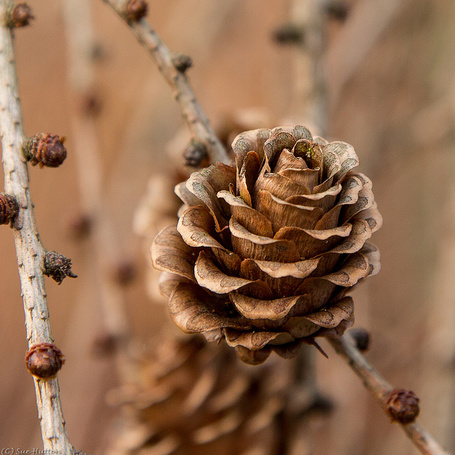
(29, 249)
(379, 389)
(192, 111)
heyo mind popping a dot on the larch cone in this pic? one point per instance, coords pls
(265, 253)
(194, 398)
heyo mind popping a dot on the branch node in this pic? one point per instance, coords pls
(57, 266)
(19, 15)
(182, 62)
(44, 360)
(196, 154)
(338, 10)
(289, 34)
(402, 405)
(361, 338)
(135, 10)
(9, 208)
(124, 272)
(45, 150)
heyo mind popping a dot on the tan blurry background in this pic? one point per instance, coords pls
(393, 98)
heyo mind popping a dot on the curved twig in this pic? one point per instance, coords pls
(192, 111)
(29, 249)
(380, 388)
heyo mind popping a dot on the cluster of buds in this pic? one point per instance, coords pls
(57, 266)
(45, 149)
(9, 208)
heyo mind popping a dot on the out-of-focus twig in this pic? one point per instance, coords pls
(81, 44)
(29, 249)
(438, 349)
(380, 390)
(310, 70)
(362, 31)
(191, 109)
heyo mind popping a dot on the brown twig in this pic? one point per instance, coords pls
(360, 34)
(310, 79)
(192, 111)
(380, 389)
(29, 249)
(81, 41)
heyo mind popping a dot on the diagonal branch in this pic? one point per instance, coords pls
(29, 249)
(192, 111)
(380, 389)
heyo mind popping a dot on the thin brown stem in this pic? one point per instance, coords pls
(310, 68)
(29, 249)
(379, 389)
(81, 41)
(192, 111)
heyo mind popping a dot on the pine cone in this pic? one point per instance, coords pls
(191, 398)
(265, 254)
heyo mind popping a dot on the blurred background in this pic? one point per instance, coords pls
(391, 94)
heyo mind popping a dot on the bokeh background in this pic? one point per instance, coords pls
(391, 95)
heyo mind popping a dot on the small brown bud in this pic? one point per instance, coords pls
(90, 104)
(195, 154)
(45, 150)
(79, 225)
(44, 360)
(402, 405)
(104, 345)
(57, 266)
(135, 10)
(289, 34)
(361, 338)
(321, 404)
(20, 15)
(124, 272)
(9, 208)
(182, 62)
(338, 10)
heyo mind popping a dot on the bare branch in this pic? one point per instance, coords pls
(380, 389)
(81, 41)
(310, 67)
(192, 111)
(29, 249)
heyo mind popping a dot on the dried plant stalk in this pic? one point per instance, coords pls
(29, 249)
(192, 111)
(380, 388)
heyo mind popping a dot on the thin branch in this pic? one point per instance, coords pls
(310, 68)
(361, 33)
(192, 111)
(29, 249)
(81, 41)
(379, 389)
